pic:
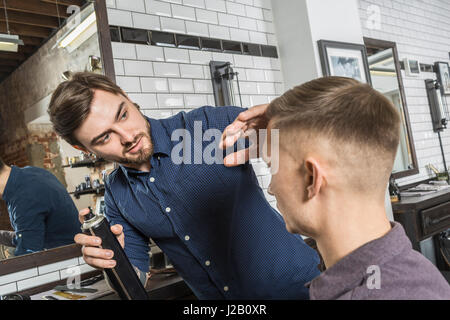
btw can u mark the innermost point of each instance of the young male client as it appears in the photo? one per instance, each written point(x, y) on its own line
point(338, 140)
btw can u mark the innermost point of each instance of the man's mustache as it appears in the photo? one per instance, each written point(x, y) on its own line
point(128, 146)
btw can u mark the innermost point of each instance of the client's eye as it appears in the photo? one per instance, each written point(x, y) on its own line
point(124, 115)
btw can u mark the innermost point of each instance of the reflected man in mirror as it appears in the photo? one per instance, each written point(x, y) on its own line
point(41, 211)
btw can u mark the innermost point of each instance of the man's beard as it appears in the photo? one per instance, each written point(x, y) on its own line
point(144, 154)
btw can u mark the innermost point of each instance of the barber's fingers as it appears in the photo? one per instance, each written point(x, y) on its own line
point(254, 112)
point(95, 252)
point(229, 139)
point(237, 158)
point(99, 263)
point(118, 231)
point(86, 240)
point(92, 254)
point(235, 127)
point(82, 213)
point(245, 120)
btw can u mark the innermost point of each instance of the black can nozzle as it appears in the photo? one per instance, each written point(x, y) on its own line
point(90, 215)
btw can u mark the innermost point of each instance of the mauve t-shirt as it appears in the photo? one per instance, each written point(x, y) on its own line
point(387, 268)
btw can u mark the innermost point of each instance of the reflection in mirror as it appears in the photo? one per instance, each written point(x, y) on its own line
point(38, 181)
point(386, 78)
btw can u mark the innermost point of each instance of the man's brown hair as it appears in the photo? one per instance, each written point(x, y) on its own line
point(347, 113)
point(2, 164)
point(71, 102)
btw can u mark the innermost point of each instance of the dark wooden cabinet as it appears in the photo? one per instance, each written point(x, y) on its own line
point(435, 219)
point(424, 217)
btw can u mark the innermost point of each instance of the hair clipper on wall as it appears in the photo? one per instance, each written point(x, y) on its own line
point(71, 101)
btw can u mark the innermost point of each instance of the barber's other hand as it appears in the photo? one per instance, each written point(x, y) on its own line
point(92, 254)
point(254, 118)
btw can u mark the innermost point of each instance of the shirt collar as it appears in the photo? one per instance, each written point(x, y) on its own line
point(161, 142)
point(350, 271)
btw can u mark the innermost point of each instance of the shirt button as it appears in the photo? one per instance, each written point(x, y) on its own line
point(225, 288)
point(207, 263)
point(20, 235)
point(159, 158)
point(187, 238)
point(152, 179)
point(167, 209)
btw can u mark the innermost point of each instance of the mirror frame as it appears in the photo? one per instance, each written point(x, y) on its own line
point(383, 44)
point(104, 39)
point(20, 263)
point(41, 258)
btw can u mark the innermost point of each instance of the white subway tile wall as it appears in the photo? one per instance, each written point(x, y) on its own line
point(8, 288)
point(160, 8)
point(145, 21)
point(37, 281)
point(37, 276)
point(120, 18)
point(197, 29)
point(57, 266)
point(13, 277)
point(181, 85)
point(134, 5)
point(179, 79)
point(173, 25)
point(151, 53)
point(421, 31)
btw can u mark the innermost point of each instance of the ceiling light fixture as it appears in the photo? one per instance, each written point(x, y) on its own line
point(81, 28)
point(9, 42)
point(73, 38)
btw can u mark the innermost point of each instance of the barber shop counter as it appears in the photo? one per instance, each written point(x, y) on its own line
point(160, 287)
point(48, 275)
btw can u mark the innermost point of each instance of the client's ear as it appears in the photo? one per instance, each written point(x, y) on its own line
point(315, 177)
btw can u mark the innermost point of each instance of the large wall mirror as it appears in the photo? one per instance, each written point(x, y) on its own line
point(73, 36)
point(386, 77)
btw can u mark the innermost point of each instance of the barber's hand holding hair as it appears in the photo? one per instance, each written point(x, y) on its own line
point(245, 124)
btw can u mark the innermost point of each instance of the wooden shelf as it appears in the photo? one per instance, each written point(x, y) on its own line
point(85, 163)
point(98, 190)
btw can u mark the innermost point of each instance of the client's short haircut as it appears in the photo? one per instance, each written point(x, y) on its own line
point(2, 164)
point(349, 114)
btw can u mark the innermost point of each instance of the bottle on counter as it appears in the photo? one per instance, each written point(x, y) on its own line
point(394, 191)
point(88, 182)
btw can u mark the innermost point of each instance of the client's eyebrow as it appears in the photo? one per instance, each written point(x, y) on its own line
point(119, 111)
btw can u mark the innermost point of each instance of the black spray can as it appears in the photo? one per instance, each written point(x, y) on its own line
point(123, 277)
